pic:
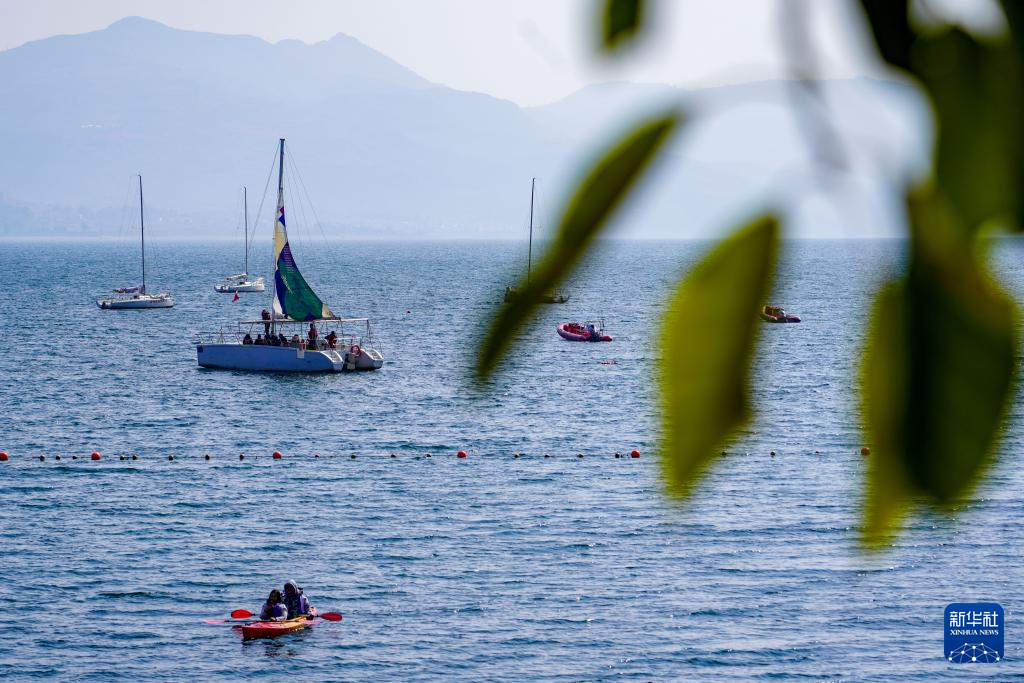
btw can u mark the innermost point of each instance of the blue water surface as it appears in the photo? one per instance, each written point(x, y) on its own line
point(489, 568)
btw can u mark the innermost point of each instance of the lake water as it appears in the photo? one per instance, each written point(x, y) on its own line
point(490, 568)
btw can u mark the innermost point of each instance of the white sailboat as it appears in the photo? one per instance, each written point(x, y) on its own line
point(299, 333)
point(511, 293)
point(242, 282)
point(137, 298)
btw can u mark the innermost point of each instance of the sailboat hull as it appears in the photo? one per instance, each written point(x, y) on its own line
point(258, 358)
point(136, 303)
point(227, 288)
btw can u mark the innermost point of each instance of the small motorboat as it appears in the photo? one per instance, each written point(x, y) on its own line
point(590, 331)
point(775, 314)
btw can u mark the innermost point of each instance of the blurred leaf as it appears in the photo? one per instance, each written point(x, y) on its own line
point(890, 24)
point(600, 193)
point(938, 372)
point(621, 21)
point(706, 344)
point(978, 92)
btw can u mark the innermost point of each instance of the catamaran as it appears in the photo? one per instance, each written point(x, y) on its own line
point(131, 298)
point(241, 282)
point(511, 293)
point(299, 333)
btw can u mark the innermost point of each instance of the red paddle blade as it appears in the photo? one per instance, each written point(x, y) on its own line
point(241, 614)
point(331, 616)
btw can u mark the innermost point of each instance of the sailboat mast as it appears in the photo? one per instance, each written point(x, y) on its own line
point(142, 225)
point(245, 211)
point(529, 253)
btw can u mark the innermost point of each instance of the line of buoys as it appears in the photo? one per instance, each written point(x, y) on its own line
point(276, 455)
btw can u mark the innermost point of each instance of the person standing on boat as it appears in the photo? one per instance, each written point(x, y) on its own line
point(274, 609)
point(312, 335)
point(295, 601)
point(332, 338)
point(265, 314)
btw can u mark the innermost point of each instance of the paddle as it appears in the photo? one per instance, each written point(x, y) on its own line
point(246, 614)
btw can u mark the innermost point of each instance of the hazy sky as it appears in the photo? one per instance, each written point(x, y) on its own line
point(528, 51)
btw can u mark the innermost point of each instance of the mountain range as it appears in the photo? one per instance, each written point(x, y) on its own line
point(382, 152)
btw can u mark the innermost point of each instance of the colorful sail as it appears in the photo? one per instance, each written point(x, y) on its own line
point(293, 297)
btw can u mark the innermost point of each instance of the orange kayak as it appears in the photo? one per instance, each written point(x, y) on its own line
point(272, 629)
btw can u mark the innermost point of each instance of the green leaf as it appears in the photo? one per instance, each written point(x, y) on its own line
point(621, 21)
point(597, 197)
point(706, 345)
point(978, 92)
point(938, 373)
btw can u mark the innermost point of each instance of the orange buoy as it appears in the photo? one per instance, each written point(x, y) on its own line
point(3, 456)
point(277, 455)
point(460, 454)
point(634, 453)
point(95, 456)
point(865, 451)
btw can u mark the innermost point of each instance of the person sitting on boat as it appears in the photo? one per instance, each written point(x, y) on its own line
point(281, 339)
point(265, 314)
point(295, 601)
point(247, 339)
point(259, 340)
point(274, 609)
point(312, 335)
point(332, 338)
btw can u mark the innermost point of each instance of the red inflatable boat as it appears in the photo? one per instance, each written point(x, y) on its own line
point(591, 331)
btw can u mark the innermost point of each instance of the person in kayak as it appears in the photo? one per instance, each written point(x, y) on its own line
point(274, 609)
point(295, 601)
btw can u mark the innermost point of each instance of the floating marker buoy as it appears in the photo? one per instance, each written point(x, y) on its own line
point(579, 455)
point(3, 456)
point(865, 451)
point(276, 455)
point(316, 455)
point(95, 456)
point(135, 457)
point(353, 456)
point(120, 457)
point(393, 455)
point(42, 458)
point(241, 456)
point(515, 455)
point(74, 457)
point(57, 457)
point(170, 457)
point(546, 455)
point(773, 454)
point(723, 452)
point(460, 454)
point(407, 312)
point(634, 453)
point(207, 456)
point(428, 455)
point(817, 452)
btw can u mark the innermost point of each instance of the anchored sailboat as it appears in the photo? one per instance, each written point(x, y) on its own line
point(299, 333)
point(548, 297)
point(133, 298)
point(241, 282)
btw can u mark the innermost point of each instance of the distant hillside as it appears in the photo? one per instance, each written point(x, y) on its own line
point(382, 151)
